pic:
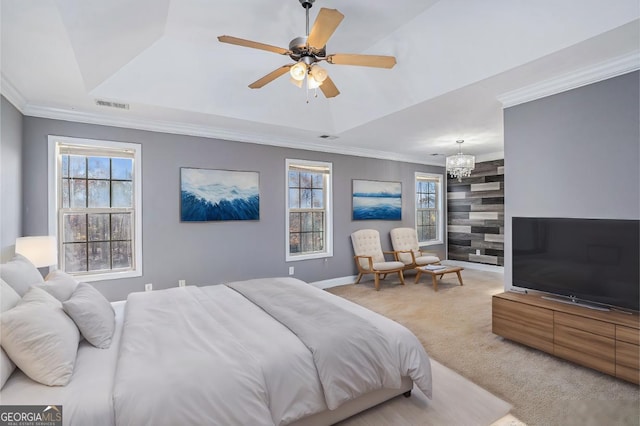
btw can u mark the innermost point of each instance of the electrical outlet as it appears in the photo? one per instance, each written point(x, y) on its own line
point(291, 269)
point(182, 283)
point(148, 287)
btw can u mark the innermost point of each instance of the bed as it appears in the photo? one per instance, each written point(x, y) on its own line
point(235, 354)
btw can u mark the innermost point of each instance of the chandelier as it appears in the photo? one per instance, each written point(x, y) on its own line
point(460, 165)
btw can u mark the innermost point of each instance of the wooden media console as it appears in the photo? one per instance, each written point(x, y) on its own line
point(605, 341)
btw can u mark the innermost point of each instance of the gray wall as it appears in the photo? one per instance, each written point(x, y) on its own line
point(10, 178)
point(574, 154)
point(215, 252)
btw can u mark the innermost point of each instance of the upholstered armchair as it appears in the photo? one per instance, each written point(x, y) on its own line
point(407, 250)
point(370, 258)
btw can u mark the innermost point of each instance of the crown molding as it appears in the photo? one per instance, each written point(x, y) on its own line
point(581, 77)
point(213, 132)
point(13, 95)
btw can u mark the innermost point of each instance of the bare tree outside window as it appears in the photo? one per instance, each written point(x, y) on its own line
point(308, 194)
point(428, 207)
point(97, 211)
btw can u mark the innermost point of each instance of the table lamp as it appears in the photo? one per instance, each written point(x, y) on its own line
point(42, 251)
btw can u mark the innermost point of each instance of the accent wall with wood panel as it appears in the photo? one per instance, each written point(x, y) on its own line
point(475, 207)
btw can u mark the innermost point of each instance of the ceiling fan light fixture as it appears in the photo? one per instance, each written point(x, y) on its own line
point(312, 83)
point(298, 71)
point(309, 49)
point(318, 73)
point(297, 83)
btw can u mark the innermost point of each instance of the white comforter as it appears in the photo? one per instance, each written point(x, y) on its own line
point(179, 365)
point(352, 357)
point(207, 355)
point(185, 384)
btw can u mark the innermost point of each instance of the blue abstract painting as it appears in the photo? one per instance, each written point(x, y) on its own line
point(215, 195)
point(375, 200)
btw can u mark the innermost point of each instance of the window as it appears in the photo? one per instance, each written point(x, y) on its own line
point(309, 213)
point(429, 208)
point(95, 207)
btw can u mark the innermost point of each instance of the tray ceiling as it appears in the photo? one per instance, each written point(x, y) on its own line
point(456, 61)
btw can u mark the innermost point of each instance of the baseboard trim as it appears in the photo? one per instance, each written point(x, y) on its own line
point(334, 282)
point(477, 266)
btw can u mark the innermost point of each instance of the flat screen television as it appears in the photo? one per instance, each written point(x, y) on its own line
point(584, 260)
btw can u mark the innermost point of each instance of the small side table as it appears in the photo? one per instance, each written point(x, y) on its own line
point(435, 274)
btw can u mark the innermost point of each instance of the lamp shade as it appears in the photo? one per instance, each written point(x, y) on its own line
point(41, 251)
point(296, 82)
point(312, 83)
point(460, 165)
point(318, 73)
point(298, 71)
point(461, 161)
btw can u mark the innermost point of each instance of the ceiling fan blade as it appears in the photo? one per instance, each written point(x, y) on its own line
point(253, 44)
point(375, 61)
point(326, 23)
point(329, 89)
point(270, 77)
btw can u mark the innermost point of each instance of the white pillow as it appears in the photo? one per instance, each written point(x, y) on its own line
point(20, 274)
point(59, 284)
point(8, 296)
point(93, 314)
point(40, 338)
point(8, 299)
point(6, 367)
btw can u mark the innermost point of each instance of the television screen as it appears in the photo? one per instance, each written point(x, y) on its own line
point(593, 260)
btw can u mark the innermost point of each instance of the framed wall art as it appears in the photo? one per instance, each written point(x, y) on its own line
point(218, 195)
point(376, 200)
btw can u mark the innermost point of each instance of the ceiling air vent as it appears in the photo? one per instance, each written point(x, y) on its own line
point(328, 137)
point(119, 105)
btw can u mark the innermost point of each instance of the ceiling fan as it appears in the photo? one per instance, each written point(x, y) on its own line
point(306, 51)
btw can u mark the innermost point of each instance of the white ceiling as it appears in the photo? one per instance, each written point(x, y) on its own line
point(456, 60)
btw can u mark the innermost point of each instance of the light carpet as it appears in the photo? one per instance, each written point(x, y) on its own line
point(454, 325)
point(456, 401)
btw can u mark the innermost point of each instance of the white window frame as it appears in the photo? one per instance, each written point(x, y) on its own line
point(328, 234)
point(54, 161)
point(439, 207)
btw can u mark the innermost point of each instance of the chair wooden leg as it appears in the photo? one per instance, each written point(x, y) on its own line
point(384, 276)
point(401, 275)
point(359, 278)
point(377, 281)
